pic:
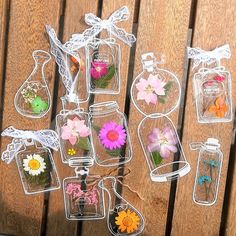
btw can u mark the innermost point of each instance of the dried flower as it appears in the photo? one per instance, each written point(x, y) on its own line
point(220, 108)
point(71, 151)
point(98, 69)
point(34, 164)
point(38, 105)
point(112, 135)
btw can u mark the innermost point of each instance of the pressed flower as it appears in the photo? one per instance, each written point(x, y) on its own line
point(112, 135)
point(34, 164)
point(149, 89)
point(212, 163)
point(219, 78)
point(203, 179)
point(220, 108)
point(98, 69)
point(74, 129)
point(38, 105)
point(71, 151)
point(29, 94)
point(128, 221)
point(163, 141)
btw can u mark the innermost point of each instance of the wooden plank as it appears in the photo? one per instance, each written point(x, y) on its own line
point(22, 214)
point(57, 223)
point(162, 28)
point(190, 218)
point(99, 227)
point(3, 22)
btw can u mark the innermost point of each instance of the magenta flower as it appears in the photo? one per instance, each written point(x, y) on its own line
point(74, 129)
point(219, 78)
point(162, 141)
point(150, 88)
point(98, 69)
point(112, 135)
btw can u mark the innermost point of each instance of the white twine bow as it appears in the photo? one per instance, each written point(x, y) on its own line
point(79, 40)
point(47, 138)
point(200, 56)
point(217, 70)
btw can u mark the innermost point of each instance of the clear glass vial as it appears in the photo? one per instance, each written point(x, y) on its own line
point(162, 148)
point(110, 135)
point(208, 171)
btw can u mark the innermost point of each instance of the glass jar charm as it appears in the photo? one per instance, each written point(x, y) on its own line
point(33, 98)
point(209, 166)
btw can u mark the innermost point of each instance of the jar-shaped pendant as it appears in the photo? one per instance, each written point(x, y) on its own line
point(37, 169)
point(110, 136)
point(33, 98)
point(74, 135)
point(122, 217)
point(212, 88)
point(208, 171)
point(103, 63)
point(162, 148)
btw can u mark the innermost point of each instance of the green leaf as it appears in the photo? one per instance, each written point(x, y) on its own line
point(156, 157)
point(83, 143)
point(114, 153)
point(161, 100)
point(96, 128)
point(104, 81)
point(168, 86)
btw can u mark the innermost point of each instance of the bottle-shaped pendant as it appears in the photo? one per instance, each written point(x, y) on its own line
point(74, 135)
point(103, 63)
point(208, 171)
point(110, 136)
point(37, 169)
point(84, 200)
point(122, 217)
point(162, 148)
point(33, 98)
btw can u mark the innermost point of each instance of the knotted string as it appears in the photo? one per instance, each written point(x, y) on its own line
point(117, 177)
point(48, 138)
point(208, 57)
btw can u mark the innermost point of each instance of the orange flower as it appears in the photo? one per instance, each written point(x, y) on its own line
point(219, 108)
point(78, 63)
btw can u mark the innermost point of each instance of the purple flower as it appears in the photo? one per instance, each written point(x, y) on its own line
point(164, 141)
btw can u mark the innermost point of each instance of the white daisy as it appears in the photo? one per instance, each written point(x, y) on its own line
point(34, 164)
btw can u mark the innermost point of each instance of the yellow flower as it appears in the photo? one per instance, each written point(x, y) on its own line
point(71, 151)
point(127, 221)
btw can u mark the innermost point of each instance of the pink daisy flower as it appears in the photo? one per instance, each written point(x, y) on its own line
point(74, 129)
point(112, 135)
point(162, 141)
point(98, 69)
point(150, 88)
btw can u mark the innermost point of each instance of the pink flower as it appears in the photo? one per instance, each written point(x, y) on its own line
point(74, 129)
point(219, 78)
point(98, 69)
point(112, 135)
point(162, 141)
point(150, 88)
point(74, 189)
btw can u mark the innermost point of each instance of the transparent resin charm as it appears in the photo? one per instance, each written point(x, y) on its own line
point(122, 217)
point(208, 172)
point(103, 63)
point(162, 148)
point(74, 135)
point(84, 200)
point(155, 90)
point(110, 136)
point(213, 97)
point(33, 98)
point(71, 60)
point(37, 169)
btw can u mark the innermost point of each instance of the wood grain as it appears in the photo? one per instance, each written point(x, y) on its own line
point(162, 28)
point(57, 224)
point(100, 227)
point(190, 218)
point(21, 214)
